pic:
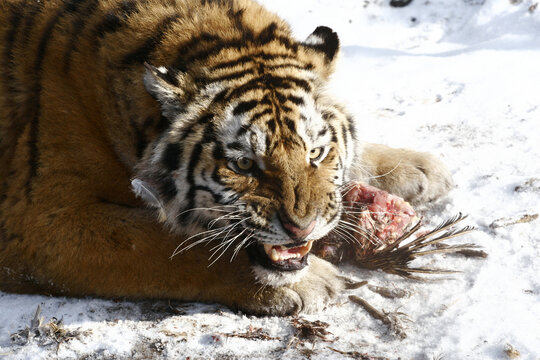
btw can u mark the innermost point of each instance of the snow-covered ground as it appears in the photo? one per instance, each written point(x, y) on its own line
point(458, 78)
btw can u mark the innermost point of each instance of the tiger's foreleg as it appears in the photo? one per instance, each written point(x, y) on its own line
point(417, 177)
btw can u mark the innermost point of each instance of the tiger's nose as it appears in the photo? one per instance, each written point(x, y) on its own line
point(296, 232)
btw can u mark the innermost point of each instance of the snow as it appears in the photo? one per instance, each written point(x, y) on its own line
point(458, 78)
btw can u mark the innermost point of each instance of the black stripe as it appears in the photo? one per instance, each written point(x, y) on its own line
point(352, 126)
point(32, 10)
point(236, 17)
point(220, 96)
point(286, 109)
point(290, 124)
point(297, 192)
point(268, 81)
point(345, 138)
point(344, 131)
point(340, 163)
point(167, 187)
point(226, 77)
point(140, 138)
point(193, 161)
point(78, 26)
point(242, 130)
point(181, 63)
point(235, 145)
point(218, 152)
point(277, 116)
point(233, 63)
point(142, 53)
point(70, 7)
point(214, 50)
point(263, 55)
point(115, 19)
point(162, 124)
point(14, 21)
point(268, 141)
point(171, 156)
point(110, 23)
point(185, 133)
point(322, 132)
point(303, 84)
point(9, 83)
point(267, 34)
point(46, 37)
point(205, 119)
point(8, 56)
point(257, 83)
point(266, 100)
point(327, 115)
point(224, 45)
point(307, 66)
point(3, 233)
point(260, 114)
point(244, 89)
point(244, 107)
point(217, 2)
point(216, 178)
point(334, 134)
point(208, 136)
point(281, 98)
point(295, 100)
point(272, 124)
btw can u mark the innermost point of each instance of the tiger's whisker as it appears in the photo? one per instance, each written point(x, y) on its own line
point(241, 245)
point(223, 252)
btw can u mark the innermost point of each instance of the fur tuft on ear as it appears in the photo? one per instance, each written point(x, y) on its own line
point(170, 87)
point(325, 41)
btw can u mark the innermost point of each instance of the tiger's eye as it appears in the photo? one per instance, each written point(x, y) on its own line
point(244, 163)
point(314, 154)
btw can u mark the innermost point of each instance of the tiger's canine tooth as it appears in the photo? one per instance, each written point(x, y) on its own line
point(274, 255)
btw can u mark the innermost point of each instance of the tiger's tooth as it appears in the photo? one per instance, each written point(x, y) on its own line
point(274, 255)
point(267, 248)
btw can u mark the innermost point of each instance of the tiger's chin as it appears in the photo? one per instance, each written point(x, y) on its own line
point(278, 265)
point(276, 278)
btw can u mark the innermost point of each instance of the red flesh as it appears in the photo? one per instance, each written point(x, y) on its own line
point(380, 217)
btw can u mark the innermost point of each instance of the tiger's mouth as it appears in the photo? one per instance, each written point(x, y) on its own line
point(287, 257)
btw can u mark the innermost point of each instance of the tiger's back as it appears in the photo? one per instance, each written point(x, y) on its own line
point(86, 52)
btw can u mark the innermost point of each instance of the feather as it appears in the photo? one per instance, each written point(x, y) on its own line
point(143, 190)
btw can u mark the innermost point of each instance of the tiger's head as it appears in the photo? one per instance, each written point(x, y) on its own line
point(256, 153)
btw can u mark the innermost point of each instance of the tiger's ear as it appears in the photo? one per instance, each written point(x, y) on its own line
point(324, 42)
point(173, 89)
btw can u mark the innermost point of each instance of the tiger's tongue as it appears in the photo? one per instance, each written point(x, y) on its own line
point(278, 253)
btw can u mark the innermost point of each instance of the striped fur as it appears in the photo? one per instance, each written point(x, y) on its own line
point(168, 95)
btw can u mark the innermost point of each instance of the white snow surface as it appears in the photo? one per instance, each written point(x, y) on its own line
point(457, 78)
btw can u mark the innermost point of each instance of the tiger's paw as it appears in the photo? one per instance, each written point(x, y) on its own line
point(307, 290)
point(417, 177)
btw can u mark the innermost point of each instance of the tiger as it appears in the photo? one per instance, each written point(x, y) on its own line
point(179, 149)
